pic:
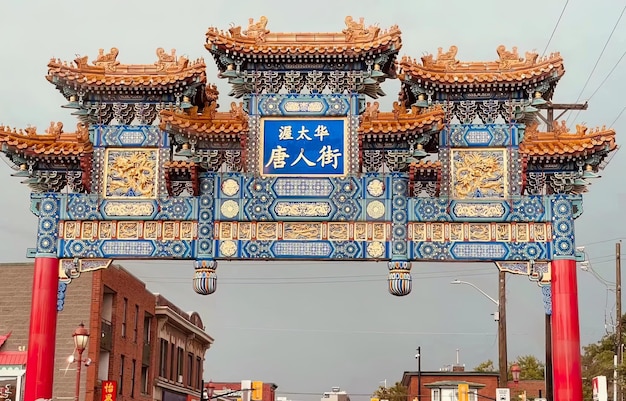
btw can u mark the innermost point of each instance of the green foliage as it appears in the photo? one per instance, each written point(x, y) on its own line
point(597, 360)
point(531, 368)
point(486, 366)
point(397, 392)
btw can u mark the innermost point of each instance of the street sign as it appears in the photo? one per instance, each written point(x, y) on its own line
point(503, 394)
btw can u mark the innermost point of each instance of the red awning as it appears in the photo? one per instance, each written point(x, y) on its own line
point(12, 357)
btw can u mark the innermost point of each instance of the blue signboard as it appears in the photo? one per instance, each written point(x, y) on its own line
point(304, 147)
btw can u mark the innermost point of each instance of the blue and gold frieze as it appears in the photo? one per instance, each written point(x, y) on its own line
point(475, 251)
point(524, 209)
point(480, 232)
point(120, 249)
point(299, 105)
point(129, 136)
point(479, 135)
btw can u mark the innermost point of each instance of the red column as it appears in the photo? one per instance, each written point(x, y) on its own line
point(566, 364)
point(43, 327)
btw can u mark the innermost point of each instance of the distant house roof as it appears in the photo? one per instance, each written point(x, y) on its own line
point(453, 383)
point(12, 358)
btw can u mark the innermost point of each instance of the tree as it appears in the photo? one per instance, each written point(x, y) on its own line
point(531, 368)
point(597, 360)
point(396, 393)
point(486, 366)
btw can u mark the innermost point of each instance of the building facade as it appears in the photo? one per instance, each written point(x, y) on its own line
point(232, 391)
point(124, 321)
point(443, 385)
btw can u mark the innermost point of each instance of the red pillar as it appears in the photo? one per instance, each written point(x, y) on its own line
point(43, 327)
point(566, 364)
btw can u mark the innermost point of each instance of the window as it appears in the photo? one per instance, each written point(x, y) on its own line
point(133, 368)
point(147, 331)
point(434, 395)
point(180, 359)
point(173, 362)
point(136, 323)
point(124, 307)
point(144, 379)
point(163, 358)
point(120, 382)
point(190, 370)
point(199, 373)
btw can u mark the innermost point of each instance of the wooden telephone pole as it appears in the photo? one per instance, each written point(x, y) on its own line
point(549, 120)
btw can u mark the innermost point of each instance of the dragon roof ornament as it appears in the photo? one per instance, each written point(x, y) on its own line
point(355, 38)
point(107, 70)
point(208, 122)
point(561, 142)
point(447, 69)
point(400, 119)
point(53, 142)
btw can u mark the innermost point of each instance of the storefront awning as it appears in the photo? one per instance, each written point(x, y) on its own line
point(12, 358)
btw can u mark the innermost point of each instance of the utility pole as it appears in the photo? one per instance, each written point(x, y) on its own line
point(502, 352)
point(419, 372)
point(618, 312)
point(549, 119)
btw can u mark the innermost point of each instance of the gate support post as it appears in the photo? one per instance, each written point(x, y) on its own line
point(42, 333)
point(567, 371)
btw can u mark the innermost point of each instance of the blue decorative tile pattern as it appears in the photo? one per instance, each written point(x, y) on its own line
point(399, 218)
point(546, 291)
point(562, 227)
point(49, 211)
point(178, 249)
point(296, 104)
point(206, 213)
point(61, 296)
point(180, 208)
point(129, 136)
point(479, 135)
point(82, 207)
point(429, 209)
point(297, 187)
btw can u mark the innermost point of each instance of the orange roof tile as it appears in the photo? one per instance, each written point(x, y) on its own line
point(107, 71)
point(355, 39)
point(210, 122)
point(560, 142)
point(426, 165)
point(179, 164)
point(510, 67)
point(399, 120)
point(54, 142)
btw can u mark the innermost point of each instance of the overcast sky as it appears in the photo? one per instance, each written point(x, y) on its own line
point(310, 326)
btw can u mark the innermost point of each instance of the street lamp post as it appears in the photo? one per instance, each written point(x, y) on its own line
point(81, 337)
point(418, 356)
point(500, 317)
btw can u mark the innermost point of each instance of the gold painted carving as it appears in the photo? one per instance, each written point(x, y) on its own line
point(437, 233)
point(245, 230)
point(72, 229)
point(150, 230)
point(228, 248)
point(503, 232)
point(302, 209)
point(267, 231)
point(478, 210)
point(128, 208)
point(338, 231)
point(479, 232)
point(88, 230)
point(478, 174)
point(375, 188)
point(360, 231)
point(419, 232)
point(311, 231)
point(131, 173)
point(311, 107)
point(375, 209)
point(226, 230)
point(230, 187)
point(523, 232)
point(186, 230)
point(379, 231)
point(169, 230)
point(105, 230)
point(456, 232)
point(230, 208)
point(540, 232)
point(375, 249)
point(128, 230)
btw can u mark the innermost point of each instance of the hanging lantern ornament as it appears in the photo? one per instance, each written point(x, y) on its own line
point(204, 277)
point(399, 278)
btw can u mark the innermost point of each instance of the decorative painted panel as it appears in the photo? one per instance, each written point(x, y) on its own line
point(480, 135)
point(298, 105)
point(129, 136)
point(131, 173)
point(478, 174)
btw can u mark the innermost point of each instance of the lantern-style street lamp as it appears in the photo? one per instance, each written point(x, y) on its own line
point(81, 338)
point(515, 371)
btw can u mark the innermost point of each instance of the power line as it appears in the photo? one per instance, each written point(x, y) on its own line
point(555, 27)
point(600, 56)
point(617, 118)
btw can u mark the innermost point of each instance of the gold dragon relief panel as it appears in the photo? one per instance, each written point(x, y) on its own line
point(479, 173)
point(480, 232)
point(131, 173)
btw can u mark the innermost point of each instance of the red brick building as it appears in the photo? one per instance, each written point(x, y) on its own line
point(128, 326)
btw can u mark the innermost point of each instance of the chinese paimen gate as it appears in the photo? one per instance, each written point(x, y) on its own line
point(305, 167)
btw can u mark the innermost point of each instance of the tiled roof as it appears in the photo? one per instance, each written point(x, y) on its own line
point(54, 142)
point(13, 358)
point(256, 40)
point(210, 122)
point(509, 68)
point(399, 120)
point(560, 142)
point(106, 71)
point(426, 165)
